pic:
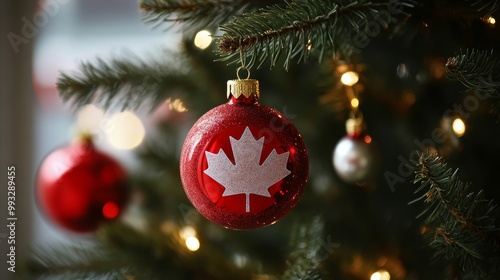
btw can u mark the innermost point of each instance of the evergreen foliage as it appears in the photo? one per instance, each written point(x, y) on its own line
point(478, 71)
point(302, 28)
point(485, 7)
point(129, 81)
point(305, 261)
point(462, 220)
point(195, 14)
point(80, 261)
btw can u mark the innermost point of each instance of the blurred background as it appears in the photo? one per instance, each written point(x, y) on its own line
point(40, 39)
point(405, 97)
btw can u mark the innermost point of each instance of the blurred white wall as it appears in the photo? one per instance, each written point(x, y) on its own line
point(16, 131)
point(44, 39)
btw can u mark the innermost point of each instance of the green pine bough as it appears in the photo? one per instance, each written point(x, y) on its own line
point(287, 30)
point(197, 14)
point(478, 71)
point(302, 28)
point(460, 219)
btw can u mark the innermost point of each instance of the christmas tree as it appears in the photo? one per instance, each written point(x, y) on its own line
point(417, 83)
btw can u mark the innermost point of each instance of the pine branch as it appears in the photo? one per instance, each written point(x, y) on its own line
point(128, 82)
point(154, 253)
point(121, 251)
point(463, 219)
point(305, 260)
point(486, 7)
point(79, 262)
point(159, 252)
point(302, 28)
point(196, 14)
point(161, 152)
point(478, 71)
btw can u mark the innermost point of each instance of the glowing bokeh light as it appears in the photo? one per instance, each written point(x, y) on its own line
point(110, 210)
point(458, 127)
point(354, 103)
point(491, 20)
point(176, 105)
point(125, 131)
point(349, 78)
point(381, 275)
point(89, 118)
point(309, 45)
point(192, 243)
point(203, 39)
point(187, 232)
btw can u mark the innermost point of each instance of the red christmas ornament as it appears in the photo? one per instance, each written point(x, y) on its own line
point(244, 165)
point(79, 187)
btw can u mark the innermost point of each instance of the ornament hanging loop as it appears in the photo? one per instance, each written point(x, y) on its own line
point(243, 87)
point(242, 68)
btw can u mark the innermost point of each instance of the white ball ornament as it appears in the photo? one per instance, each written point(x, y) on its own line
point(354, 158)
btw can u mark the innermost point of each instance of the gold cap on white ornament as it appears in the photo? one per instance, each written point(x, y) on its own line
point(245, 87)
point(354, 126)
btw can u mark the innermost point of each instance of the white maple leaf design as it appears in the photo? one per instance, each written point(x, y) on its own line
point(246, 175)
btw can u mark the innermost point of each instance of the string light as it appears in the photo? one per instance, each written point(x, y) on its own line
point(349, 78)
point(176, 105)
point(187, 232)
point(309, 45)
point(189, 235)
point(203, 39)
point(192, 243)
point(490, 20)
point(89, 117)
point(125, 130)
point(458, 127)
point(381, 275)
point(354, 102)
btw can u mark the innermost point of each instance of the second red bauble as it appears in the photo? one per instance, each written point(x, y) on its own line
point(79, 187)
point(244, 165)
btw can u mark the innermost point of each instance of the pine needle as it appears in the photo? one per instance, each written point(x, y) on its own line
point(478, 71)
point(302, 28)
point(463, 219)
point(305, 260)
point(79, 262)
point(194, 14)
point(486, 7)
point(128, 82)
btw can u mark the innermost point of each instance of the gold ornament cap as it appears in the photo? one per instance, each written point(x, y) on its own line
point(84, 137)
point(245, 87)
point(354, 126)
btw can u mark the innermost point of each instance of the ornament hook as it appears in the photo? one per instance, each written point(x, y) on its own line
point(356, 114)
point(243, 66)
